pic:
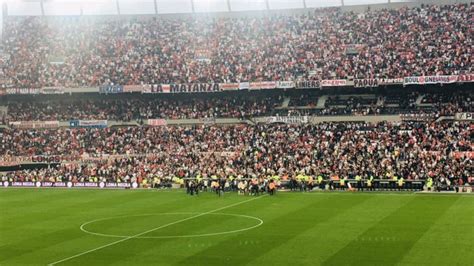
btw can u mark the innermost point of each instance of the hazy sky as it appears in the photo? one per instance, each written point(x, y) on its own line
point(97, 7)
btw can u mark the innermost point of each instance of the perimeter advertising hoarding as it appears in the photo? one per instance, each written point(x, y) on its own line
point(101, 185)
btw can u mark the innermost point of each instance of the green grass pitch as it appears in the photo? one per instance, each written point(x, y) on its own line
point(125, 227)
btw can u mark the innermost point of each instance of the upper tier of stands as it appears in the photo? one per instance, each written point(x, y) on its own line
point(321, 44)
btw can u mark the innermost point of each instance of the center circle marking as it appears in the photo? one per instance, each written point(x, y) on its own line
point(260, 222)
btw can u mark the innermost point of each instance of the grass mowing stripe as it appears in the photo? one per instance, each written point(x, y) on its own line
point(62, 235)
point(299, 216)
point(452, 234)
point(395, 234)
point(448, 241)
point(61, 206)
point(349, 224)
point(36, 231)
point(151, 230)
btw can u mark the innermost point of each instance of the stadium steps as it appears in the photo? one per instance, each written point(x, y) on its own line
point(286, 102)
point(419, 99)
point(3, 110)
point(380, 101)
point(420, 104)
point(321, 102)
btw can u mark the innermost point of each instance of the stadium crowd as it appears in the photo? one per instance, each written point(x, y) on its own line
point(130, 107)
point(321, 44)
point(415, 150)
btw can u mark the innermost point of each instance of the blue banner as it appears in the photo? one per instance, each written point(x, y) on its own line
point(111, 89)
point(88, 123)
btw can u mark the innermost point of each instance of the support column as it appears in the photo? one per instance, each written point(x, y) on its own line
point(118, 6)
point(42, 8)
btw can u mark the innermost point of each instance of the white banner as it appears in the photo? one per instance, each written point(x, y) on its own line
point(229, 86)
point(34, 124)
point(366, 83)
point(156, 122)
point(52, 90)
point(288, 119)
point(244, 85)
point(333, 83)
point(390, 81)
point(263, 85)
point(464, 116)
point(285, 84)
point(308, 84)
point(429, 80)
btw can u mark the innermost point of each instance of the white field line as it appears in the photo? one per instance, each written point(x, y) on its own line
point(260, 222)
point(151, 230)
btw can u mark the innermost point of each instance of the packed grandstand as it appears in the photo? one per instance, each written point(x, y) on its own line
point(323, 44)
point(331, 94)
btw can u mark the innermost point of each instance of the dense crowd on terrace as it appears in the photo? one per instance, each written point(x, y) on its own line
point(239, 105)
point(128, 108)
point(319, 44)
point(410, 150)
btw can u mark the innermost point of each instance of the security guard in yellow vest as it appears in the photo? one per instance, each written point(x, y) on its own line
point(342, 183)
point(320, 182)
point(370, 183)
point(429, 183)
point(394, 181)
point(360, 185)
point(401, 182)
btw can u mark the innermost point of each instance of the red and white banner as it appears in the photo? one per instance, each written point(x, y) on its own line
point(157, 122)
point(134, 88)
point(34, 124)
point(429, 80)
point(333, 83)
point(391, 81)
point(463, 154)
point(262, 85)
point(466, 78)
point(229, 86)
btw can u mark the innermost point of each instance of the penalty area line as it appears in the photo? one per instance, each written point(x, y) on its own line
point(151, 230)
